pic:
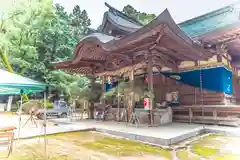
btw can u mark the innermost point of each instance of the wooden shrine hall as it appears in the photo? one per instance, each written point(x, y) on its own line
point(125, 47)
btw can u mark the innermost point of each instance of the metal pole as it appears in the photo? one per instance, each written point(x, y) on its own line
point(20, 115)
point(45, 124)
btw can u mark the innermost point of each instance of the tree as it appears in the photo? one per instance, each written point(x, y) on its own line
point(3, 45)
point(57, 43)
point(142, 17)
point(22, 31)
point(79, 23)
point(34, 33)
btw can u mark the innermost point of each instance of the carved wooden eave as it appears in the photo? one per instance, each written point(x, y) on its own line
point(224, 38)
point(84, 67)
point(162, 39)
point(230, 38)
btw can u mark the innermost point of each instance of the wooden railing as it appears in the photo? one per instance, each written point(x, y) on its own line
point(217, 114)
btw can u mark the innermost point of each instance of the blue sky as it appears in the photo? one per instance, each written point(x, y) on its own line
point(180, 10)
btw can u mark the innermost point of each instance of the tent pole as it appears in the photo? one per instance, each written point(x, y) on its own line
point(20, 114)
point(45, 124)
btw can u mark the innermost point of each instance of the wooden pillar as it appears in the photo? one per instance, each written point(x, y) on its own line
point(219, 58)
point(150, 87)
point(220, 50)
point(102, 101)
point(118, 100)
point(91, 107)
point(228, 60)
point(176, 70)
point(132, 99)
point(196, 63)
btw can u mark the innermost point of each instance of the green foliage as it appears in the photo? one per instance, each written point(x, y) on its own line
point(117, 90)
point(49, 105)
point(79, 20)
point(142, 17)
point(35, 33)
point(93, 93)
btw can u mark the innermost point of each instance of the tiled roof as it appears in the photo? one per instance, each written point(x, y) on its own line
point(194, 27)
point(209, 22)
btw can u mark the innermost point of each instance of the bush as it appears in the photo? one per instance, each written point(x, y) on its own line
point(31, 104)
point(35, 105)
point(49, 104)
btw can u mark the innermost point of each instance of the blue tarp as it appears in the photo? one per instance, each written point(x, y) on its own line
point(216, 79)
point(110, 85)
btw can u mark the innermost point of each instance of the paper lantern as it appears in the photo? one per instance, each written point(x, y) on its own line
point(146, 103)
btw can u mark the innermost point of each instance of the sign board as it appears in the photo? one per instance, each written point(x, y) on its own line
point(147, 104)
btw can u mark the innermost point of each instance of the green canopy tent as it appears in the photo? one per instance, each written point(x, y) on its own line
point(14, 84)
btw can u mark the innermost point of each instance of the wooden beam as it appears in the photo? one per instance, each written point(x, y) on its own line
point(123, 56)
point(163, 60)
point(137, 48)
point(176, 55)
point(227, 38)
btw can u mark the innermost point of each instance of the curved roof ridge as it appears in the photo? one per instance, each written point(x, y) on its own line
point(165, 17)
point(214, 13)
point(123, 15)
point(124, 24)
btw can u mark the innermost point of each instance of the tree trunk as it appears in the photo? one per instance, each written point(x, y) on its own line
point(5, 61)
point(91, 110)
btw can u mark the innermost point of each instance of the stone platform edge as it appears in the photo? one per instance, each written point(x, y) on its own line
point(163, 141)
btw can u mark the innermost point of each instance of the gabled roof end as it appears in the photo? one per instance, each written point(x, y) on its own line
point(121, 14)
